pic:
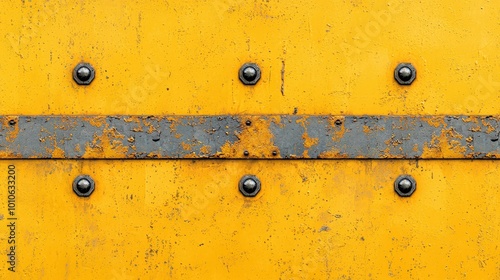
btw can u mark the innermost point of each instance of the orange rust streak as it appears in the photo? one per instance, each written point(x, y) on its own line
point(205, 149)
point(444, 146)
point(338, 134)
point(435, 121)
point(186, 147)
point(257, 139)
point(96, 121)
point(13, 130)
point(107, 145)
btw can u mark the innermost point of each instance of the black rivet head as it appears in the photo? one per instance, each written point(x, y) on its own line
point(249, 185)
point(275, 153)
point(249, 73)
point(405, 73)
point(83, 185)
point(246, 153)
point(83, 74)
point(405, 185)
point(12, 122)
point(248, 122)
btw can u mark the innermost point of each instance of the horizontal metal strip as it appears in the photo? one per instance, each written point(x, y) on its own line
point(266, 136)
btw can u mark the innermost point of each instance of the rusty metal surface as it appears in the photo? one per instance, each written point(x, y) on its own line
point(257, 136)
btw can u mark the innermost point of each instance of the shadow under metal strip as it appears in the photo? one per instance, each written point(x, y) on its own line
point(256, 136)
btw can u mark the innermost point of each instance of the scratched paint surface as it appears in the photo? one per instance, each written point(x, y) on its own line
point(182, 57)
point(229, 137)
point(313, 219)
point(184, 219)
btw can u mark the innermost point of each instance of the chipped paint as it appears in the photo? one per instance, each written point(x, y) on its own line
point(262, 136)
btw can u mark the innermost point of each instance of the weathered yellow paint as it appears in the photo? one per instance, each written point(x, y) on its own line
point(182, 57)
point(314, 219)
point(185, 219)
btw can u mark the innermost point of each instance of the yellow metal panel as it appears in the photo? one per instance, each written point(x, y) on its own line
point(182, 57)
point(182, 219)
point(311, 220)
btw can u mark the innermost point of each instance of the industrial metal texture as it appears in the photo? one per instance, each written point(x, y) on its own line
point(232, 139)
point(186, 219)
point(182, 57)
point(273, 137)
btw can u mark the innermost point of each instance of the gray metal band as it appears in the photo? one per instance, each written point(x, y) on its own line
point(267, 136)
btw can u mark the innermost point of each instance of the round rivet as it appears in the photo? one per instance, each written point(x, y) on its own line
point(275, 153)
point(246, 153)
point(405, 73)
point(83, 185)
point(249, 185)
point(338, 122)
point(83, 74)
point(405, 185)
point(12, 122)
point(248, 122)
point(249, 73)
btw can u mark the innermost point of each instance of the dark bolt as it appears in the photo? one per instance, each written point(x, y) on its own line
point(249, 73)
point(275, 153)
point(405, 185)
point(248, 122)
point(338, 122)
point(246, 153)
point(83, 74)
point(405, 73)
point(83, 185)
point(12, 122)
point(249, 185)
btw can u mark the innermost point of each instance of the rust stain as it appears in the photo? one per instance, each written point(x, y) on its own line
point(12, 130)
point(149, 125)
point(309, 141)
point(475, 129)
point(154, 155)
point(444, 146)
point(205, 149)
point(415, 148)
point(58, 153)
point(333, 153)
point(452, 133)
point(488, 125)
point(469, 119)
point(96, 121)
point(9, 154)
point(337, 123)
point(368, 129)
point(257, 139)
point(393, 142)
point(185, 146)
point(192, 155)
point(107, 145)
point(435, 121)
point(136, 120)
point(67, 123)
